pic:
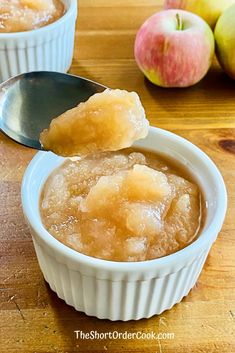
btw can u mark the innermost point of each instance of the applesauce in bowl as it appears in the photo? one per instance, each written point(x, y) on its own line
point(130, 205)
point(121, 290)
point(120, 234)
point(36, 36)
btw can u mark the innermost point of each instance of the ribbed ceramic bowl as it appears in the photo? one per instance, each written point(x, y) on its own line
point(125, 291)
point(49, 48)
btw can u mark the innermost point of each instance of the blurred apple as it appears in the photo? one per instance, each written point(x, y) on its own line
point(225, 41)
point(209, 10)
point(174, 48)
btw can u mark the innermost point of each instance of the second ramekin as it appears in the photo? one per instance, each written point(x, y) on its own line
point(125, 290)
point(49, 48)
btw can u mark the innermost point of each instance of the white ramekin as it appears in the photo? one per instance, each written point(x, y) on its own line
point(49, 48)
point(125, 291)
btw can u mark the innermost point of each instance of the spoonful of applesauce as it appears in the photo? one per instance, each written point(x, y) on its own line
point(30, 101)
point(69, 115)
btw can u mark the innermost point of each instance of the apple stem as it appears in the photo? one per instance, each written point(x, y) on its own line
point(179, 22)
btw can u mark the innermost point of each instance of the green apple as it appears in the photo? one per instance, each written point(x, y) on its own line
point(209, 10)
point(225, 41)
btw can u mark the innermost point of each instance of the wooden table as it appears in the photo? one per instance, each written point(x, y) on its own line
point(33, 319)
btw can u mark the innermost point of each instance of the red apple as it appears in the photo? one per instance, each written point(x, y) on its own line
point(174, 48)
point(209, 10)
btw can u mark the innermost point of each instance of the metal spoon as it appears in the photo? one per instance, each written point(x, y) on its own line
point(30, 101)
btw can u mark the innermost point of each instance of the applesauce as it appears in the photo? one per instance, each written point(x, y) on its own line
point(25, 15)
point(108, 121)
point(130, 205)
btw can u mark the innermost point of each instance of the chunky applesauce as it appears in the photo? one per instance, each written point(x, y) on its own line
point(130, 205)
point(25, 15)
point(107, 121)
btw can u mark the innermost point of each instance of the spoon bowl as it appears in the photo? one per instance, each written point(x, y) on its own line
point(28, 102)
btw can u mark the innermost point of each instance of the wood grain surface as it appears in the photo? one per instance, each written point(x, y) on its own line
point(33, 319)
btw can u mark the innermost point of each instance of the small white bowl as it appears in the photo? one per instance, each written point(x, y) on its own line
point(49, 48)
point(126, 290)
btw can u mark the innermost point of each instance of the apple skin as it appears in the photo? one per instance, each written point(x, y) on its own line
point(209, 10)
point(170, 57)
point(225, 43)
